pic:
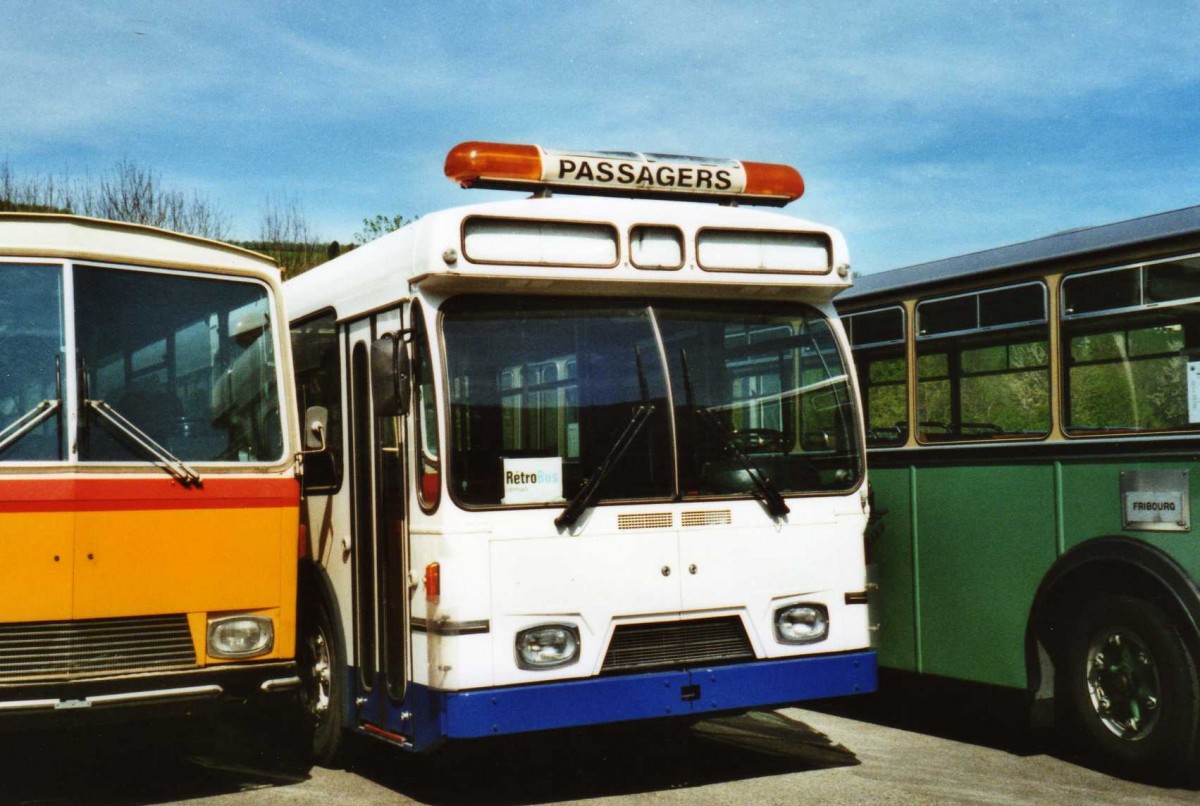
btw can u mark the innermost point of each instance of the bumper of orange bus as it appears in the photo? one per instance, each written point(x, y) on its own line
point(145, 696)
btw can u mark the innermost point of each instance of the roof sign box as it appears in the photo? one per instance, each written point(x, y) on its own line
point(531, 167)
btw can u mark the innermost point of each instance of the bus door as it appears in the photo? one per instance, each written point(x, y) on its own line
point(379, 528)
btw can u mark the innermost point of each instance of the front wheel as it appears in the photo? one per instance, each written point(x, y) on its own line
point(322, 692)
point(1132, 688)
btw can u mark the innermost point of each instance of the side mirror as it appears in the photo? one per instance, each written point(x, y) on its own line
point(316, 423)
point(391, 376)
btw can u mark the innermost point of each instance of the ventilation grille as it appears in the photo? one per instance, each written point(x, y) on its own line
point(63, 650)
point(645, 520)
point(708, 517)
point(637, 647)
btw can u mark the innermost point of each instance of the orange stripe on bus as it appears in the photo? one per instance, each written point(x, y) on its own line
point(103, 495)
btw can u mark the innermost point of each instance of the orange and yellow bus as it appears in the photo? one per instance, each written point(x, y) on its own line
point(148, 490)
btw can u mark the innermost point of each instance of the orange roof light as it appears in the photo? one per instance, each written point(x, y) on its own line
point(773, 180)
point(468, 162)
point(622, 173)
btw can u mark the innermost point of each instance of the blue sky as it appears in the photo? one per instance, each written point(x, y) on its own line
point(923, 130)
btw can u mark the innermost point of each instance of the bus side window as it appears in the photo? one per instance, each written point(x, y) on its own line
point(425, 409)
point(1131, 353)
point(318, 373)
point(983, 365)
point(884, 384)
point(878, 340)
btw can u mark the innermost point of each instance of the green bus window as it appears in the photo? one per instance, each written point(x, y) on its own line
point(992, 380)
point(1134, 379)
point(878, 341)
point(1132, 349)
point(885, 394)
point(933, 396)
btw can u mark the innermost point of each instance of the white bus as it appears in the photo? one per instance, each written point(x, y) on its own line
point(577, 460)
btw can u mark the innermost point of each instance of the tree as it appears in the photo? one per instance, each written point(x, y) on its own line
point(128, 192)
point(287, 237)
point(37, 195)
point(379, 226)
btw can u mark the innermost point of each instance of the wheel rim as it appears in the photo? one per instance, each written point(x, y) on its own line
point(1122, 681)
point(320, 677)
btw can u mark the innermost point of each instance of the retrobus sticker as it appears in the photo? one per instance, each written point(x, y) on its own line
point(532, 480)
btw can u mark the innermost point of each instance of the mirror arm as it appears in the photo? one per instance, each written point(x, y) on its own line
point(318, 431)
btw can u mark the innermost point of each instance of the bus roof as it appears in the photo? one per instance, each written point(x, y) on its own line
point(429, 253)
point(1059, 246)
point(64, 236)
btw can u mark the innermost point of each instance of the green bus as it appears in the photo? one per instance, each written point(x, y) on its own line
point(1033, 418)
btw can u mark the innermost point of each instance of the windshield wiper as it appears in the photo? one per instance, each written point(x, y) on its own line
point(170, 462)
point(27, 422)
point(764, 490)
point(590, 490)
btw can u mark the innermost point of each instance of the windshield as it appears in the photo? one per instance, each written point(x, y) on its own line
point(31, 346)
point(189, 361)
point(766, 383)
point(540, 389)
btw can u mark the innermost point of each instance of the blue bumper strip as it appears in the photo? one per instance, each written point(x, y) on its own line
point(764, 684)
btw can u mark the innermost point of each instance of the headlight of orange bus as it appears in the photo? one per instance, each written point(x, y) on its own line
point(240, 636)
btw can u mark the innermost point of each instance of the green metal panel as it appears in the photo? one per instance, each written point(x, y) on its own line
point(962, 549)
point(1092, 506)
point(986, 537)
point(891, 550)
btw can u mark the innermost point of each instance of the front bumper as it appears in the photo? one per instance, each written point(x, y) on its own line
point(142, 696)
point(695, 692)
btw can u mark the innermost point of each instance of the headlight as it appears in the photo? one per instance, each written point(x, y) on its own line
point(801, 624)
point(240, 636)
point(547, 646)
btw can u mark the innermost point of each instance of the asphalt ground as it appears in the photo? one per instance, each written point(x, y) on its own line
point(931, 746)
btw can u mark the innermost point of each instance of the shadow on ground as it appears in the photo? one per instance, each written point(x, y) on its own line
point(143, 763)
point(987, 716)
point(607, 761)
point(197, 759)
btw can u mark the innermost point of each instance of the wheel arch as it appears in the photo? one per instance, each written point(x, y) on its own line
point(316, 588)
point(1109, 564)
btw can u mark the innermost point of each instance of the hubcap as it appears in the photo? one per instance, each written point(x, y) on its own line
point(319, 676)
point(1122, 681)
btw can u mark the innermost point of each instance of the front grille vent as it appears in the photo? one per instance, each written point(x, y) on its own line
point(707, 517)
point(65, 650)
point(645, 520)
point(677, 644)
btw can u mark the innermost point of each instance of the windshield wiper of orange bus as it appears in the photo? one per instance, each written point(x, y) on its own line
point(27, 422)
point(170, 462)
point(591, 488)
point(763, 490)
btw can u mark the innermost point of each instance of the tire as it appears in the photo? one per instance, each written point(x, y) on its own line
point(1131, 689)
point(323, 687)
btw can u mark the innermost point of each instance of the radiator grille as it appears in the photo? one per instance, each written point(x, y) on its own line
point(636, 647)
point(64, 650)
